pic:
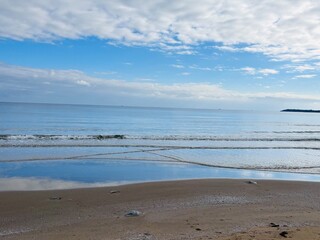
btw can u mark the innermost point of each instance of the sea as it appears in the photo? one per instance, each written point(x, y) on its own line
point(60, 146)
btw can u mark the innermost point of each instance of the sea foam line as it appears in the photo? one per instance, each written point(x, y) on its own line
point(38, 137)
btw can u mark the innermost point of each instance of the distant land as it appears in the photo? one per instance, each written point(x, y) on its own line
point(301, 110)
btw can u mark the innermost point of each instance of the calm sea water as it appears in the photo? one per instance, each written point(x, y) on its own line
point(76, 145)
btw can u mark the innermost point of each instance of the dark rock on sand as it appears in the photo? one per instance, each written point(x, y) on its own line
point(283, 234)
point(55, 198)
point(273, 225)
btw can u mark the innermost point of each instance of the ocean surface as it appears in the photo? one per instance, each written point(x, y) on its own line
point(50, 146)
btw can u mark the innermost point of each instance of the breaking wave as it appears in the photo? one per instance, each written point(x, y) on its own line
point(9, 137)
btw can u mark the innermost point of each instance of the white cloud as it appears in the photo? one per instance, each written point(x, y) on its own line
point(82, 82)
point(227, 48)
point(263, 71)
point(105, 73)
point(249, 70)
point(44, 75)
point(283, 30)
point(303, 68)
point(29, 78)
point(200, 68)
point(145, 80)
point(305, 76)
point(268, 71)
point(293, 68)
point(194, 66)
point(185, 73)
point(177, 66)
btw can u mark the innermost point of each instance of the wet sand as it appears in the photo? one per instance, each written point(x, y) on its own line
point(193, 209)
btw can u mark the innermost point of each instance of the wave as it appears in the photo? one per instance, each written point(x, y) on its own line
point(174, 147)
point(59, 137)
point(11, 137)
point(289, 132)
point(315, 169)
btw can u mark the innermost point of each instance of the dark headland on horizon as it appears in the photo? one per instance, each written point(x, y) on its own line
point(301, 110)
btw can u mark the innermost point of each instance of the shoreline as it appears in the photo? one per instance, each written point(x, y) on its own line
point(74, 185)
point(30, 183)
point(97, 185)
point(183, 209)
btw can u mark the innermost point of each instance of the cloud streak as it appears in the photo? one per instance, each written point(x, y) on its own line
point(282, 30)
point(263, 71)
point(24, 78)
point(305, 76)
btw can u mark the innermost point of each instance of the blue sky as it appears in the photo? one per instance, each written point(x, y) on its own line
point(204, 54)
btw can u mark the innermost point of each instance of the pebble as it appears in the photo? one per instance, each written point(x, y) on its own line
point(114, 191)
point(274, 225)
point(283, 234)
point(133, 213)
point(55, 198)
point(252, 182)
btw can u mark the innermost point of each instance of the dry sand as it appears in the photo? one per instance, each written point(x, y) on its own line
point(197, 209)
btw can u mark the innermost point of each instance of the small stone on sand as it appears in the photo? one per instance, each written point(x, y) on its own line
point(252, 182)
point(283, 234)
point(55, 198)
point(114, 191)
point(133, 213)
point(273, 225)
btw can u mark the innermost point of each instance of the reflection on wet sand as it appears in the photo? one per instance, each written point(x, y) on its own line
point(46, 175)
point(32, 184)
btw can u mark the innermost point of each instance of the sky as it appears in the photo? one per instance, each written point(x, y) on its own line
point(226, 54)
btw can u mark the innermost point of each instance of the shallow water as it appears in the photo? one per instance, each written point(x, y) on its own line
point(44, 175)
point(173, 143)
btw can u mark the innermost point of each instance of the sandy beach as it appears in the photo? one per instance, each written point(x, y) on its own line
point(193, 209)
